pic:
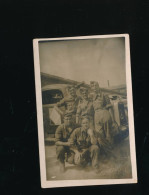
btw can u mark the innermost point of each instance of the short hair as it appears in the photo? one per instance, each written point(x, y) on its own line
point(85, 117)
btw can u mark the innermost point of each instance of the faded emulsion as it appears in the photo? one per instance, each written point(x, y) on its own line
point(87, 128)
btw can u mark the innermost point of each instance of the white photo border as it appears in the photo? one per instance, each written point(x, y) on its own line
point(88, 182)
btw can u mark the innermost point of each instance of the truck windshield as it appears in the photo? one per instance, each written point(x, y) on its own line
point(51, 96)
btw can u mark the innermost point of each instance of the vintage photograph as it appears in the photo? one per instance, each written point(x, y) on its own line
point(85, 110)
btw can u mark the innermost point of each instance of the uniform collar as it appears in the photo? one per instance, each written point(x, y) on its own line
point(83, 131)
point(71, 127)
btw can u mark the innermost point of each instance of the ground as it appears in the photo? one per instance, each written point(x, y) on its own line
point(111, 168)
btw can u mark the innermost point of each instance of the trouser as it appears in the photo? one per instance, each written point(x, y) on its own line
point(90, 154)
point(103, 124)
point(91, 123)
point(61, 151)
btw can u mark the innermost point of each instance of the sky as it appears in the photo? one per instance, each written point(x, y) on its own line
point(99, 60)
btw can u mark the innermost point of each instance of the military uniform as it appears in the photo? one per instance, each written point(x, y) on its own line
point(67, 101)
point(102, 117)
point(63, 134)
point(85, 109)
point(85, 147)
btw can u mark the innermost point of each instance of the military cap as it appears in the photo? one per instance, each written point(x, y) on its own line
point(93, 83)
point(85, 117)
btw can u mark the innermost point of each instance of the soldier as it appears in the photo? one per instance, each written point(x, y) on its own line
point(85, 107)
point(84, 144)
point(103, 119)
point(62, 135)
point(70, 102)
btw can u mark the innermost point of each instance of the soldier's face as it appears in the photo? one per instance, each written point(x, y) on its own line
point(72, 91)
point(84, 94)
point(69, 106)
point(95, 87)
point(85, 124)
point(68, 121)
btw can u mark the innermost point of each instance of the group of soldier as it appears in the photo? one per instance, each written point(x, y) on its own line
point(87, 127)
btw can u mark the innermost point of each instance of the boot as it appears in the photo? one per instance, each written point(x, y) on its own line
point(62, 167)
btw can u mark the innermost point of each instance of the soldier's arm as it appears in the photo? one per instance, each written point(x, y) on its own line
point(112, 113)
point(59, 143)
point(107, 102)
point(109, 107)
point(93, 139)
point(78, 113)
point(72, 139)
point(61, 103)
point(59, 110)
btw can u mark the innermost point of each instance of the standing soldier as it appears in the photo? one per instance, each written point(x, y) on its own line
point(85, 108)
point(70, 102)
point(103, 118)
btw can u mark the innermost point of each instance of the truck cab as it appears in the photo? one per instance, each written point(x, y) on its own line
point(51, 94)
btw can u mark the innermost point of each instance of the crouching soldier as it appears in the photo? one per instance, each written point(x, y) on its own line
point(62, 135)
point(84, 145)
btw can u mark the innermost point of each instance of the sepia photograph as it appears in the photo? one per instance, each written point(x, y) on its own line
point(85, 110)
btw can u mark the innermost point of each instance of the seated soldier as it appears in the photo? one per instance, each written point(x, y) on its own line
point(84, 145)
point(62, 135)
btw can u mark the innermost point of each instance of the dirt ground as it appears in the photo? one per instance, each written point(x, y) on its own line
point(111, 168)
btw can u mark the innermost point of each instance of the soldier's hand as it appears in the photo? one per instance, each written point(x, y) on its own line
point(67, 144)
point(90, 132)
point(70, 143)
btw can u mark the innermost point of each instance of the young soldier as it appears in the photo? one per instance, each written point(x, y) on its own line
point(62, 135)
point(85, 108)
point(103, 117)
point(84, 145)
point(70, 102)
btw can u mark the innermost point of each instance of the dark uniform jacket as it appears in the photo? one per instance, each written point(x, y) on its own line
point(82, 139)
point(63, 133)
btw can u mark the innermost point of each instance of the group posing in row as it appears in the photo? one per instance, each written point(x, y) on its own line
point(87, 127)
